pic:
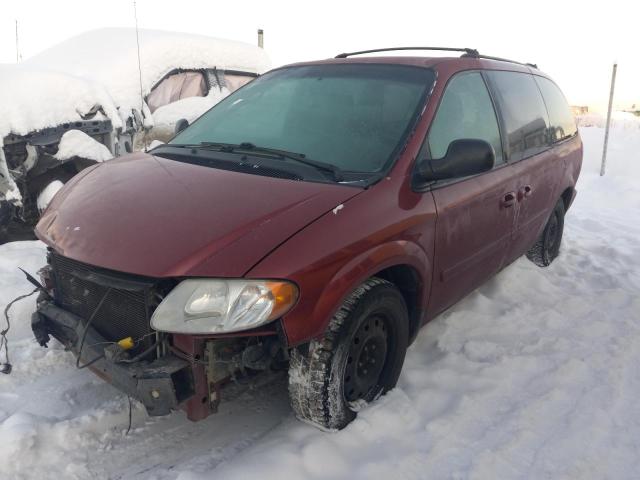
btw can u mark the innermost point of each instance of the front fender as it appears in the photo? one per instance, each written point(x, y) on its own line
point(375, 230)
point(359, 269)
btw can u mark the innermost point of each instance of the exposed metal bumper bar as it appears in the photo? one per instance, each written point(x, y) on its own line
point(161, 385)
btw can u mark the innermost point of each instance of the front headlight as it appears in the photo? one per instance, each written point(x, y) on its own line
point(202, 306)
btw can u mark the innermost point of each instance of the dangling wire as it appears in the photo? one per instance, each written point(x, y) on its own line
point(129, 427)
point(5, 367)
point(86, 330)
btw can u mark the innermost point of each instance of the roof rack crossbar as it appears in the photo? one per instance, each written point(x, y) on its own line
point(471, 52)
point(467, 52)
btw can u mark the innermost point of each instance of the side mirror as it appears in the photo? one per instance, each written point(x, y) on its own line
point(464, 157)
point(181, 125)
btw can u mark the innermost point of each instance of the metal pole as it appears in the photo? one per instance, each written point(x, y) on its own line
point(606, 128)
point(260, 38)
point(17, 49)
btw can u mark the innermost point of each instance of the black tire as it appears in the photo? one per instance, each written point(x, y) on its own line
point(547, 247)
point(329, 378)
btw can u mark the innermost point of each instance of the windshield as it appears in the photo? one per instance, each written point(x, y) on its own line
point(352, 116)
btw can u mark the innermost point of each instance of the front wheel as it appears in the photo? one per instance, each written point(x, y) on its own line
point(358, 358)
point(547, 247)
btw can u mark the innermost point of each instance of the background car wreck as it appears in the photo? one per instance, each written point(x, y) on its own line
point(89, 99)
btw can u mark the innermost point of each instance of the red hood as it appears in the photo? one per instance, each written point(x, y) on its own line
point(160, 218)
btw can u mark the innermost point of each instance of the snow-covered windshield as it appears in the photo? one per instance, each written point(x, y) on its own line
point(353, 116)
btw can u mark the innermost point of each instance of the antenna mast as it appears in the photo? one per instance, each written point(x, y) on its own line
point(17, 44)
point(135, 15)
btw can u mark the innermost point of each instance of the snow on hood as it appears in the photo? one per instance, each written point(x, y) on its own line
point(109, 56)
point(32, 99)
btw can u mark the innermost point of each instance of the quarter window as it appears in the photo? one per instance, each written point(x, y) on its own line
point(466, 112)
point(562, 122)
point(523, 112)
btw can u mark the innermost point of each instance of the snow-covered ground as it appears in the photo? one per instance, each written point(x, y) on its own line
point(535, 375)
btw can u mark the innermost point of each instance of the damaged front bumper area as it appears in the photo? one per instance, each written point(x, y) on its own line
point(161, 385)
point(103, 317)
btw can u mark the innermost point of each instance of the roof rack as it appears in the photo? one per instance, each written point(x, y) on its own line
point(500, 59)
point(467, 52)
point(471, 52)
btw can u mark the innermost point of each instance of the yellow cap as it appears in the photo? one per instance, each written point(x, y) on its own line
point(126, 343)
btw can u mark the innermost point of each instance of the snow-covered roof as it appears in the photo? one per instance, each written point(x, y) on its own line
point(100, 67)
point(33, 99)
point(110, 56)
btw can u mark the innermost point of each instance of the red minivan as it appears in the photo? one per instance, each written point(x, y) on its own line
point(313, 220)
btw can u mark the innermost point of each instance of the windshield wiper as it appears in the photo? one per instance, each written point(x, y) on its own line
point(335, 172)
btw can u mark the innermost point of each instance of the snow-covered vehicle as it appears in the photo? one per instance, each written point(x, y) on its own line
point(91, 98)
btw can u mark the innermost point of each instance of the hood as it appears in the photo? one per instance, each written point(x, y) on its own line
point(161, 218)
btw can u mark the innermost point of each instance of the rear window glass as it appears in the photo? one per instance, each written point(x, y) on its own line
point(563, 125)
point(523, 111)
point(176, 87)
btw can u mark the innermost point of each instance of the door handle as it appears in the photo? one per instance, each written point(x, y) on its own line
point(524, 192)
point(508, 200)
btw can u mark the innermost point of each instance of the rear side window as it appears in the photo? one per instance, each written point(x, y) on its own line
point(523, 112)
point(466, 111)
point(562, 122)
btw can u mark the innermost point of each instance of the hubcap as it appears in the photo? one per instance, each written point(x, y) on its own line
point(366, 360)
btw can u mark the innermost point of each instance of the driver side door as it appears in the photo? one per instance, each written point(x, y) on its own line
point(475, 215)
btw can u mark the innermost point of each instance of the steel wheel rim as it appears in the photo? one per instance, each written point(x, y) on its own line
point(366, 359)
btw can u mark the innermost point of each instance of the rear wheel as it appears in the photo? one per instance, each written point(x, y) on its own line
point(358, 358)
point(547, 247)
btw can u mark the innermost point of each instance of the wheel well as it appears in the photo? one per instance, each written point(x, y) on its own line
point(408, 281)
point(566, 197)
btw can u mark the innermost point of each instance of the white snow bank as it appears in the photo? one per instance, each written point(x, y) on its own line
point(75, 143)
point(620, 120)
point(534, 375)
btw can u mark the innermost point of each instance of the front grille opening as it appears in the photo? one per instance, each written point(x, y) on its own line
point(126, 310)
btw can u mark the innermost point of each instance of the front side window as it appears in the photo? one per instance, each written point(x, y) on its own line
point(465, 112)
point(563, 125)
point(176, 87)
point(523, 112)
point(353, 116)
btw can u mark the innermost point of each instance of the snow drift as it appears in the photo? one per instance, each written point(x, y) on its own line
point(534, 375)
